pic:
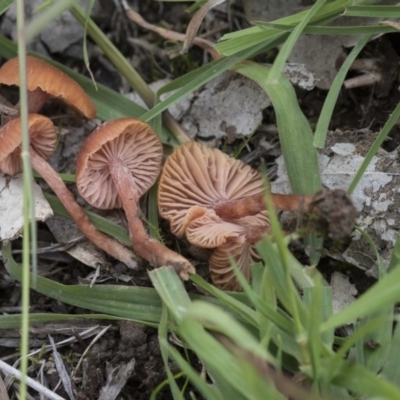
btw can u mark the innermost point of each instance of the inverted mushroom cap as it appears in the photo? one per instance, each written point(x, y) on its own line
point(43, 138)
point(231, 241)
point(197, 175)
point(50, 80)
point(128, 141)
point(222, 274)
point(209, 231)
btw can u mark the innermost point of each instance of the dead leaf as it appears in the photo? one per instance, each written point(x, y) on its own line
point(11, 206)
point(343, 291)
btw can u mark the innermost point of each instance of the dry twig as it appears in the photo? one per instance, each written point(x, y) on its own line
point(16, 374)
point(171, 35)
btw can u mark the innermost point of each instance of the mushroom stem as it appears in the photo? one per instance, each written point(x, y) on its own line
point(145, 247)
point(110, 246)
point(36, 100)
point(255, 233)
point(252, 205)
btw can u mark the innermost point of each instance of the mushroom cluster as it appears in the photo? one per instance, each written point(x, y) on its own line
point(44, 82)
point(195, 181)
point(217, 202)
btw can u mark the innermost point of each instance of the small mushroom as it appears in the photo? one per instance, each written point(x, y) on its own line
point(229, 240)
point(43, 141)
point(44, 82)
point(117, 163)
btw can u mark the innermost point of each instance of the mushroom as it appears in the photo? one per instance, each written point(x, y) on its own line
point(197, 175)
point(43, 139)
point(230, 241)
point(118, 163)
point(44, 82)
point(218, 203)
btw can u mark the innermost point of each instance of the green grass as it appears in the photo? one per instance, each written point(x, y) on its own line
point(283, 321)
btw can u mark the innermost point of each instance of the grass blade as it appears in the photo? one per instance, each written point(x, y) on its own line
point(395, 116)
point(294, 130)
point(384, 293)
point(361, 381)
point(333, 94)
point(373, 11)
point(287, 47)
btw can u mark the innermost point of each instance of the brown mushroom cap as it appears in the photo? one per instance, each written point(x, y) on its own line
point(50, 80)
point(128, 141)
point(196, 175)
point(43, 138)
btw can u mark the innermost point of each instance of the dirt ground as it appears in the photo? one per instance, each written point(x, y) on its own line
point(356, 109)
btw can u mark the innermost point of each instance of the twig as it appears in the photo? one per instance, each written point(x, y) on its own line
point(8, 369)
point(195, 23)
point(11, 111)
point(171, 35)
point(95, 339)
point(363, 80)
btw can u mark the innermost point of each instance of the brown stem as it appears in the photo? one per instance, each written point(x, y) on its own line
point(255, 233)
point(36, 100)
point(110, 246)
point(252, 205)
point(145, 247)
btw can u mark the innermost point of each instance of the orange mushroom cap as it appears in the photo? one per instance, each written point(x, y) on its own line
point(41, 75)
point(43, 138)
point(197, 175)
point(126, 140)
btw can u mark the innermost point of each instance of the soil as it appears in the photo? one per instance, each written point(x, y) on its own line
point(123, 342)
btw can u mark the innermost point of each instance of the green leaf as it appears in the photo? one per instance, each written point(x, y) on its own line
point(337, 30)
point(136, 303)
point(186, 84)
point(234, 42)
point(5, 5)
point(14, 321)
point(163, 340)
point(373, 11)
point(384, 293)
point(363, 382)
point(287, 47)
point(391, 368)
point(374, 347)
point(171, 290)
point(208, 391)
point(294, 130)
